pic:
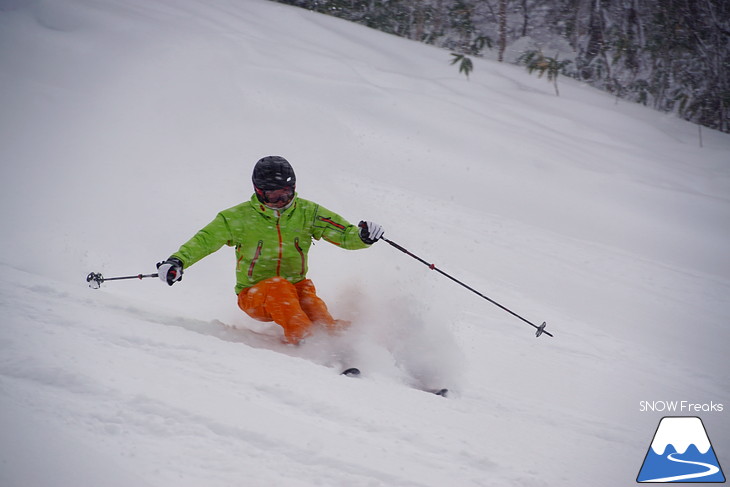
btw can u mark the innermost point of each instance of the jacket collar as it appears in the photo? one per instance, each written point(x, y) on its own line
point(273, 212)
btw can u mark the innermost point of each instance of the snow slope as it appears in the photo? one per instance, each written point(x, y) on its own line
point(126, 125)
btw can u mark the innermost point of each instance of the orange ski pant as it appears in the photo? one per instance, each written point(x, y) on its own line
point(295, 307)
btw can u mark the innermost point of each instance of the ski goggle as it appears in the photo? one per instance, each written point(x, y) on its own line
point(283, 195)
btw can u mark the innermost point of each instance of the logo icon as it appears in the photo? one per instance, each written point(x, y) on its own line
point(680, 452)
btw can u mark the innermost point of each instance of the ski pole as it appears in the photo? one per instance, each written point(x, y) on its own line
point(95, 279)
point(540, 329)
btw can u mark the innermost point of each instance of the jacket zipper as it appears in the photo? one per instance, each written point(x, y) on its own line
point(301, 253)
point(256, 256)
point(281, 244)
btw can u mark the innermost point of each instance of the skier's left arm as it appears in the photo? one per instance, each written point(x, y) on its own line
point(336, 230)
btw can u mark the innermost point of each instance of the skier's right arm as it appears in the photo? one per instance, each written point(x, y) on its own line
point(208, 240)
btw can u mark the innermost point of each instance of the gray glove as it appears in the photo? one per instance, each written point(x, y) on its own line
point(370, 232)
point(170, 271)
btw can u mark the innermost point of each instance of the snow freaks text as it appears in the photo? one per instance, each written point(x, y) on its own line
point(679, 407)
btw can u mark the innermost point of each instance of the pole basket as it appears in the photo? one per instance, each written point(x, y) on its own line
point(94, 279)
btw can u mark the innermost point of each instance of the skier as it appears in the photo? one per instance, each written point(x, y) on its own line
point(272, 233)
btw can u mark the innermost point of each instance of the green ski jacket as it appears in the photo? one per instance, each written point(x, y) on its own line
point(270, 242)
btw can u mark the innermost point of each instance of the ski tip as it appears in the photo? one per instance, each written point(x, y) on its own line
point(440, 392)
point(351, 372)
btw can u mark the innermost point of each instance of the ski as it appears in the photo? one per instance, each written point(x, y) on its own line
point(351, 372)
point(355, 372)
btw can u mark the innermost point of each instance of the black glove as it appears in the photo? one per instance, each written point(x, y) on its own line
point(170, 271)
point(370, 232)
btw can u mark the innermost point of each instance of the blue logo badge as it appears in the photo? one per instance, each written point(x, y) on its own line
point(680, 452)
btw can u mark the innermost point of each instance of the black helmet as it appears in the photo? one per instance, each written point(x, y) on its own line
point(272, 173)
